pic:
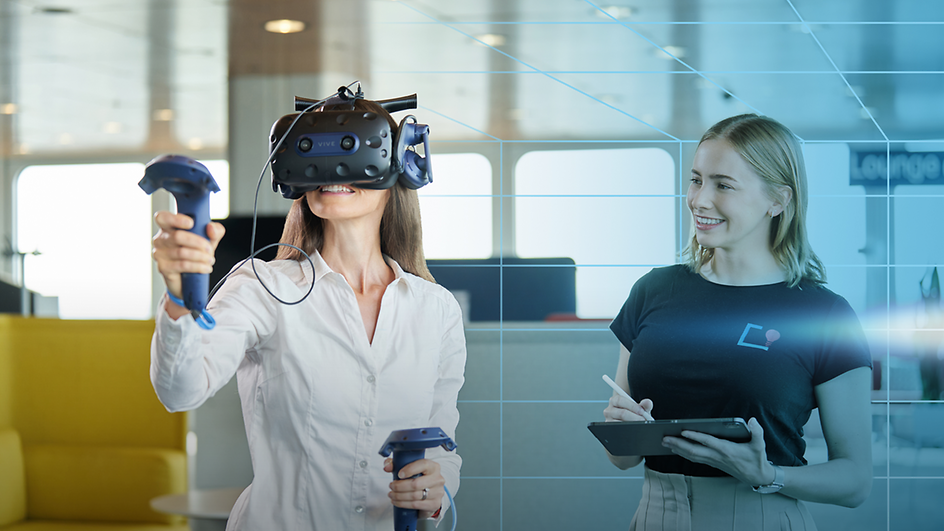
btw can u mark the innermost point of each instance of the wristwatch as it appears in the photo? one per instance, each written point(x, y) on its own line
point(775, 486)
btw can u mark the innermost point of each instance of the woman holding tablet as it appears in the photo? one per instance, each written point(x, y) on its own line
point(745, 328)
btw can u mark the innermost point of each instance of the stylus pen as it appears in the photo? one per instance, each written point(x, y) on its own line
point(619, 390)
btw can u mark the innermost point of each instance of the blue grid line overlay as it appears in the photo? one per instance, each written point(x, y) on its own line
point(538, 70)
point(678, 59)
point(664, 72)
point(833, 63)
point(709, 75)
point(615, 22)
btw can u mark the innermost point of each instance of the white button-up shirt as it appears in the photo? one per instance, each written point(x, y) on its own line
point(318, 399)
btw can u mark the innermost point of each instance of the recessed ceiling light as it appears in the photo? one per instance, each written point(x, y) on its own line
point(195, 144)
point(805, 28)
point(23, 149)
point(617, 12)
point(284, 26)
point(517, 114)
point(65, 139)
point(677, 51)
point(610, 99)
point(8, 108)
point(163, 115)
point(55, 10)
point(491, 39)
point(855, 90)
point(112, 128)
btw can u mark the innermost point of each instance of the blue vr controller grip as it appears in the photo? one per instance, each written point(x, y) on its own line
point(190, 183)
point(408, 446)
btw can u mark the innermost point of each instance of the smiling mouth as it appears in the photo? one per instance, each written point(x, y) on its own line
point(335, 189)
point(707, 223)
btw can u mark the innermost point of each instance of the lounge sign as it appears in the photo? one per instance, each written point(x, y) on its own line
point(871, 168)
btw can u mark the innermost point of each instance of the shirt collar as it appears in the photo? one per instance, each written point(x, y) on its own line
point(398, 272)
point(322, 269)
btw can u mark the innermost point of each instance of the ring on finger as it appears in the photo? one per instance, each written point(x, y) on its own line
point(425, 493)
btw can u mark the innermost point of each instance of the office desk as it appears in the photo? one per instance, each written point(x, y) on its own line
point(207, 509)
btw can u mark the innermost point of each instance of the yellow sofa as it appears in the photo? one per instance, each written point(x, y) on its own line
point(84, 442)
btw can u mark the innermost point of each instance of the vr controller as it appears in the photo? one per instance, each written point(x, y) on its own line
point(408, 446)
point(341, 144)
point(190, 183)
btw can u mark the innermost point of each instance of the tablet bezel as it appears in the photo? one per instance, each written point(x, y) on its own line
point(644, 437)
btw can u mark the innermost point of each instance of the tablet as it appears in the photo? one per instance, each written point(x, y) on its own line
point(644, 437)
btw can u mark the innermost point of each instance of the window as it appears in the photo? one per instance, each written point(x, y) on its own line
point(91, 224)
point(219, 201)
point(457, 207)
point(611, 210)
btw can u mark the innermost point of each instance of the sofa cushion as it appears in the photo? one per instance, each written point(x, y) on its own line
point(53, 525)
point(108, 484)
point(12, 482)
point(86, 383)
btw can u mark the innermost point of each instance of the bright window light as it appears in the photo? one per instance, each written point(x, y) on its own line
point(457, 207)
point(92, 225)
point(219, 201)
point(611, 210)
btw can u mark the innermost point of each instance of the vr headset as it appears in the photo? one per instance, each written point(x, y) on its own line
point(332, 142)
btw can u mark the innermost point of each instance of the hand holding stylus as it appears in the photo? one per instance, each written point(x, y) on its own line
point(623, 408)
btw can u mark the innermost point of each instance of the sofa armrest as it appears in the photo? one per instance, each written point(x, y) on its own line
point(105, 484)
point(12, 478)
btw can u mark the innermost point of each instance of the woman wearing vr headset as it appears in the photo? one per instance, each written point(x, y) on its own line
point(744, 327)
point(376, 347)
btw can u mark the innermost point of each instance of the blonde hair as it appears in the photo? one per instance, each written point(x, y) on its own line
point(775, 154)
point(401, 230)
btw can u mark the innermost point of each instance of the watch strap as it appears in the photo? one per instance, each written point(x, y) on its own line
point(776, 485)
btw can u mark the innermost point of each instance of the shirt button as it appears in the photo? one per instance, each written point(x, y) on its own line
point(371, 379)
point(363, 464)
point(368, 422)
point(359, 509)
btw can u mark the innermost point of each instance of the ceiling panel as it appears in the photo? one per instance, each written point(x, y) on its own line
point(87, 75)
point(884, 47)
point(906, 106)
point(754, 48)
point(569, 48)
point(77, 73)
point(200, 73)
point(814, 106)
point(870, 10)
point(593, 106)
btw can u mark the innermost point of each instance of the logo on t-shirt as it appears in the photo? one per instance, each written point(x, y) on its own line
point(771, 335)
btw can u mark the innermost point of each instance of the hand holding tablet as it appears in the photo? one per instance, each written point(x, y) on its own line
point(644, 437)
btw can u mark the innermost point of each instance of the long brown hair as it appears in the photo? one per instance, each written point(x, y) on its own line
point(401, 229)
point(775, 154)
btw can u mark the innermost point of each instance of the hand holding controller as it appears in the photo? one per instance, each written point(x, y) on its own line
point(409, 446)
point(190, 183)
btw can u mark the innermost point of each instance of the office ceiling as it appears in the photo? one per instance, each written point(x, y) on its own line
point(112, 76)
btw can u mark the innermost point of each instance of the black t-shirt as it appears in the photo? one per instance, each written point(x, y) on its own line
point(706, 350)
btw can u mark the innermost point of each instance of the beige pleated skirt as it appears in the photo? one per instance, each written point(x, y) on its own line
point(673, 502)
